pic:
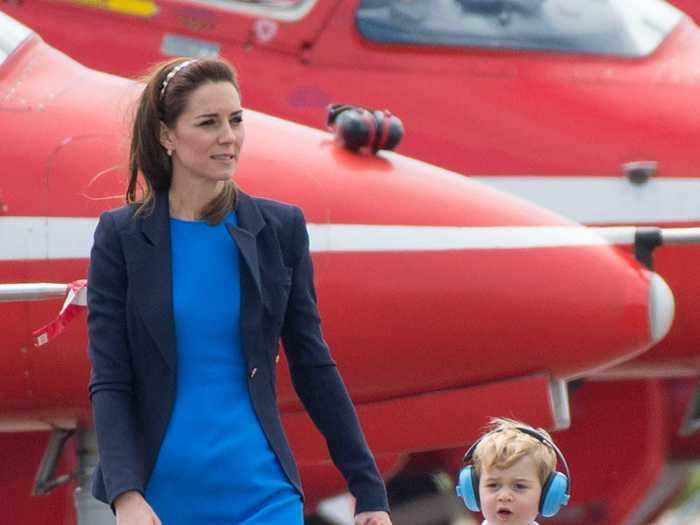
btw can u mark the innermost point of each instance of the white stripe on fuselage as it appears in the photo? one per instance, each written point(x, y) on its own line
point(41, 238)
point(608, 200)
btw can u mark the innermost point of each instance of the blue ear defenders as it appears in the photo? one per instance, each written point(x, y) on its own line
point(555, 492)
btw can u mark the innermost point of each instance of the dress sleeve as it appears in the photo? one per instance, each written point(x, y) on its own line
point(320, 387)
point(111, 377)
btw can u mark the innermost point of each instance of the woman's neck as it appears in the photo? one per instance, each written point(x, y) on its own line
point(188, 200)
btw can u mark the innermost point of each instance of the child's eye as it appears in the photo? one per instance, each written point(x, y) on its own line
point(236, 120)
point(520, 486)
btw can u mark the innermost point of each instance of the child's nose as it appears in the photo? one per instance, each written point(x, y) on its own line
point(505, 495)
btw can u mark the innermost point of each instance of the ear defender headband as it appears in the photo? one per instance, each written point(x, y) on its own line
point(357, 127)
point(556, 490)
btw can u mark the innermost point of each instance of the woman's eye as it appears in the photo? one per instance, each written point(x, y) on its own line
point(206, 123)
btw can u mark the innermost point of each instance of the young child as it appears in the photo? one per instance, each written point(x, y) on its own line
point(510, 475)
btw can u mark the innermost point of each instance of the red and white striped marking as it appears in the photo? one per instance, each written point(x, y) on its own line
point(75, 303)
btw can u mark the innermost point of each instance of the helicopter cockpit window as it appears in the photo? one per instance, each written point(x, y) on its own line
point(12, 34)
point(605, 27)
point(286, 10)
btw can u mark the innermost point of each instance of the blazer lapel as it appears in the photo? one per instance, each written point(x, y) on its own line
point(250, 222)
point(154, 281)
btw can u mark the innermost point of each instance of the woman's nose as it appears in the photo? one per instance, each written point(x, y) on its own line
point(228, 134)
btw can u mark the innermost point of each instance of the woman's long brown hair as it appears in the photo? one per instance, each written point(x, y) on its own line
point(150, 167)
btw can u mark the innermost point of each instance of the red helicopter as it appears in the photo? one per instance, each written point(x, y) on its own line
point(585, 110)
point(424, 331)
point(299, 56)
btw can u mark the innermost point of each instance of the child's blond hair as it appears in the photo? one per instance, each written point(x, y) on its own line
point(503, 444)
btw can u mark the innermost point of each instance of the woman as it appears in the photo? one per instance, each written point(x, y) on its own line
point(190, 287)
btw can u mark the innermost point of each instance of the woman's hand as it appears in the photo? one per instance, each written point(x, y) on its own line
point(372, 518)
point(132, 509)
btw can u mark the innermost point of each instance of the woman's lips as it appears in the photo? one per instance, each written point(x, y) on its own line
point(223, 157)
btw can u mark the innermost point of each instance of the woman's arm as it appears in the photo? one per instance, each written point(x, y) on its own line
point(320, 387)
point(111, 379)
point(373, 518)
point(132, 509)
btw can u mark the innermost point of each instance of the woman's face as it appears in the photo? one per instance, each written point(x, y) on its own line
point(207, 138)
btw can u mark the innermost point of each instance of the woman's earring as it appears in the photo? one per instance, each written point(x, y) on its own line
point(170, 152)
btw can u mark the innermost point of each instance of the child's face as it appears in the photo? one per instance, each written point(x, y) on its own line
point(510, 495)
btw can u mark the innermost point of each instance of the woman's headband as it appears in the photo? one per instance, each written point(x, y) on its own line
point(174, 72)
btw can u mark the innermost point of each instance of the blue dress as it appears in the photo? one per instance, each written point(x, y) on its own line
point(215, 466)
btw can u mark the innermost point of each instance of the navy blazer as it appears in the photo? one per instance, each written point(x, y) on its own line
point(133, 354)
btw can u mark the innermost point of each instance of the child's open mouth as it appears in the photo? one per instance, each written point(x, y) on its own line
point(504, 513)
